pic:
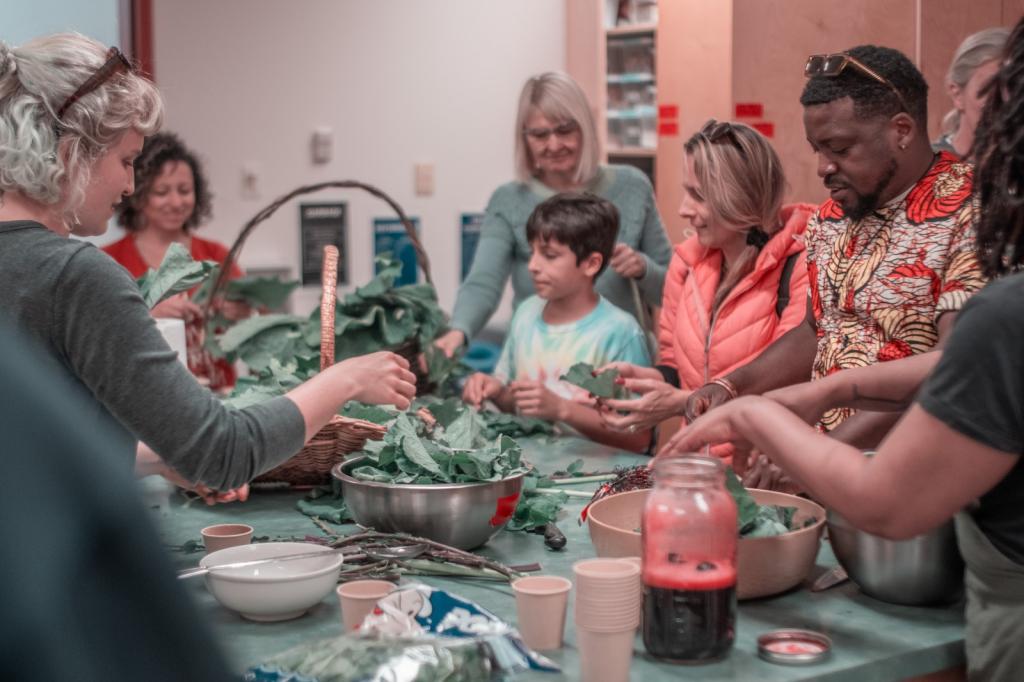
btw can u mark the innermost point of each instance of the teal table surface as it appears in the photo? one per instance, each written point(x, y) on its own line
point(872, 640)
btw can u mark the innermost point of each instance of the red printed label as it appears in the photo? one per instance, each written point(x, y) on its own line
point(668, 128)
point(668, 111)
point(504, 509)
point(749, 110)
point(766, 129)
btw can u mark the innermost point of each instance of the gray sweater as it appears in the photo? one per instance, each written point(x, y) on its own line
point(504, 250)
point(87, 316)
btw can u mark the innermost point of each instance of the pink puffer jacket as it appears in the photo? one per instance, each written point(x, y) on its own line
point(703, 346)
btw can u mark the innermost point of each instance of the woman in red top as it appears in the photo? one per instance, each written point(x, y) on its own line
point(171, 199)
point(732, 288)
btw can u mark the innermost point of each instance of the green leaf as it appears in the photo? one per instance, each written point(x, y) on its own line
point(575, 467)
point(411, 445)
point(250, 330)
point(447, 411)
point(369, 473)
point(603, 385)
point(466, 432)
point(745, 504)
point(260, 292)
point(536, 511)
point(177, 273)
point(354, 409)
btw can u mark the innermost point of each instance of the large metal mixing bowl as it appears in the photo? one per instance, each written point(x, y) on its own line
point(926, 569)
point(463, 515)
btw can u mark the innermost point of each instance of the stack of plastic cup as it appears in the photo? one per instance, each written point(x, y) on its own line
point(607, 614)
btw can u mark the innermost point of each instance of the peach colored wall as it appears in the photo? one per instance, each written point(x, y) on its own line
point(772, 39)
point(695, 72)
point(944, 24)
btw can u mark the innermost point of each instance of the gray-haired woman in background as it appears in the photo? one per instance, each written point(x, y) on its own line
point(974, 63)
point(557, 151)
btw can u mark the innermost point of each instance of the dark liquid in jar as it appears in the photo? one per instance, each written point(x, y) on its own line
point(689, 622)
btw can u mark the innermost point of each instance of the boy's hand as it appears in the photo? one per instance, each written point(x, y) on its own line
point(480, 387)
point(533, 399)
point(628, 262)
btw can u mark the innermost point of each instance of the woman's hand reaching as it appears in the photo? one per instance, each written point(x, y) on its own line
point(381, 378)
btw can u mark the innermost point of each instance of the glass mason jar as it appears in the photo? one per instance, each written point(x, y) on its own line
point(689, 560)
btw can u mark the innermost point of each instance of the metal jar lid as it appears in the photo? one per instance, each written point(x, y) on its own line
point(794, 647)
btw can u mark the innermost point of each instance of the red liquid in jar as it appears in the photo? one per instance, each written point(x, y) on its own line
point(690, 610)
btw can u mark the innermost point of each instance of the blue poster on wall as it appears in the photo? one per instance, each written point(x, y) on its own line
point(389, 236)
point(471, 223)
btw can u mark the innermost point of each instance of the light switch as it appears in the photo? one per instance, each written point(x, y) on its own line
point(424, 179)
point(322, 145)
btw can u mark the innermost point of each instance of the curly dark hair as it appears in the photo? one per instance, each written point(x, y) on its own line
point(582, 221)
point(156, 151)
point(871, 98)
point(999, 151)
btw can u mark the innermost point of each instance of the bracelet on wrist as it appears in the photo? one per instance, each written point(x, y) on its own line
point(728, 386)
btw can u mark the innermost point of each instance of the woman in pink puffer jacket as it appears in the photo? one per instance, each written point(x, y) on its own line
point(734, 287)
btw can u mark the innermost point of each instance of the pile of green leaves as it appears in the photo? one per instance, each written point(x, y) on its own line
point(600, 385)
point(495, 423)
point(269, 293)
point(755, 520)
point(377, 316)
point(456, 451)
point(177, 273)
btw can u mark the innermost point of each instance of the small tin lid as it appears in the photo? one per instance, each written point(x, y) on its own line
point(794, 647)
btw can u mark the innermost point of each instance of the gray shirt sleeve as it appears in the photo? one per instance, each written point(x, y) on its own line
point(111, 342)
point(481, 291)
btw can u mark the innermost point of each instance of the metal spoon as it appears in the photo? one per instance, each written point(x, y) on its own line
point(396, 553)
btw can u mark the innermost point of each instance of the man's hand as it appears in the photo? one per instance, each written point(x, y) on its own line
point(764, 475)
point(533, 399)
point(704, 399)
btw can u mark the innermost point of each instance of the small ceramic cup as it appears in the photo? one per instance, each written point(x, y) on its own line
point(224, 535)
point(358, 599)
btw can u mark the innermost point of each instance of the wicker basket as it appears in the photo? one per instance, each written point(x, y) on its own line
point(342, 435)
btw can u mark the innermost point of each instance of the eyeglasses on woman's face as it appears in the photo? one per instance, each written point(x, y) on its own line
point(561, 130)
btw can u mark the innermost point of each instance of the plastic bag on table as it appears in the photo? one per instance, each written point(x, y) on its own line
point(415, 634)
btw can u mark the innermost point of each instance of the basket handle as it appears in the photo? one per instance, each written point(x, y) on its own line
point(232, 257)
point(329, 279)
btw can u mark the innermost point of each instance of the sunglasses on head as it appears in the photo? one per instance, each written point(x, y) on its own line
point(116, 63)
point(714, 131)
point(831, 65)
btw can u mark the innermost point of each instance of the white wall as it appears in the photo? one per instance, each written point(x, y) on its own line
point(27, 19)
point(400, 82)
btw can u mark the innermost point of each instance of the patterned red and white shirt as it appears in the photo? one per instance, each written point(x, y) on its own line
point(879, 285)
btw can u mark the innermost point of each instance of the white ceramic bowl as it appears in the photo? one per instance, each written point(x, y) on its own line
point(274, 591)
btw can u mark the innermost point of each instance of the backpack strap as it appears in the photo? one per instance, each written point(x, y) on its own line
point(787, 274)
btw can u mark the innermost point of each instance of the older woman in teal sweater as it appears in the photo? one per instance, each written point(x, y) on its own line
point(557, 151)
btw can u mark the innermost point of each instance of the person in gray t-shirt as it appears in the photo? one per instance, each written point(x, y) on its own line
point(73, 116)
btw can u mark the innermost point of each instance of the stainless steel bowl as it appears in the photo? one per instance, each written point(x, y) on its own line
point(463, 515)
point(926, 569)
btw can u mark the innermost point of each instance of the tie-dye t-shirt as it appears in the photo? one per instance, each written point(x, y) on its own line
point(535, 349)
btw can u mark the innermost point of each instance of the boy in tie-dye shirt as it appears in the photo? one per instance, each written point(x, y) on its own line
point(571, 239)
